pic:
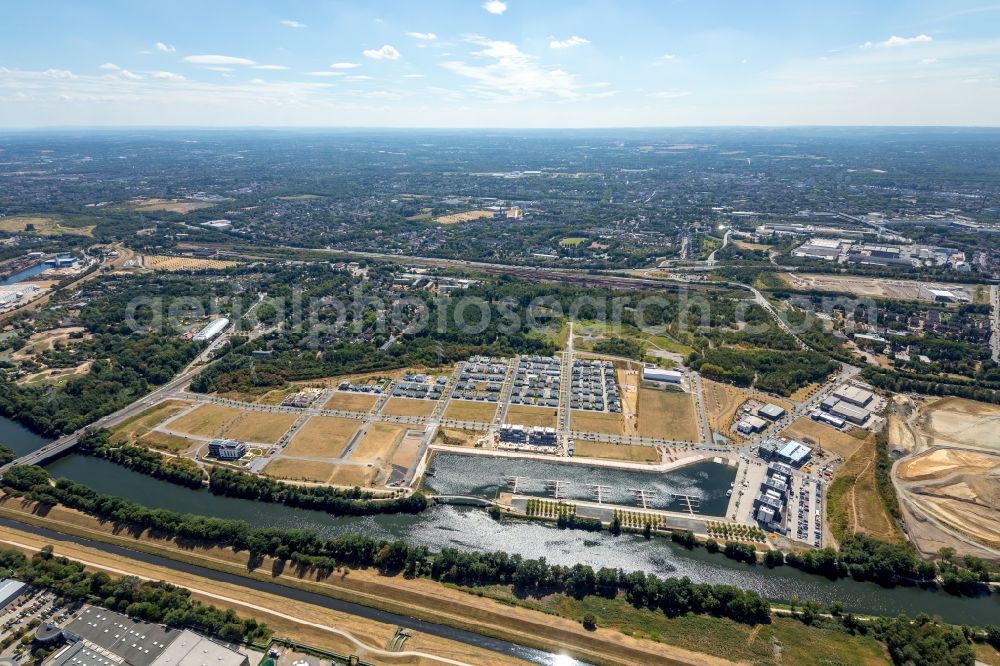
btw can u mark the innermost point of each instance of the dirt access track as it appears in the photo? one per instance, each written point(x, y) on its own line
point(419, 598)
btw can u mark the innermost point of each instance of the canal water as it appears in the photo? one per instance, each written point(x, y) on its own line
point(473, 530)
point(25, 274)
point(484, 476)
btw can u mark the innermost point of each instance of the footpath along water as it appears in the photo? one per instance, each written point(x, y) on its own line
point(473, 530)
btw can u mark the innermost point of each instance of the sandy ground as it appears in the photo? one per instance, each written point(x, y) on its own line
point(961, 422)
point(45, 225)
point(864, 508)
point(950, 480)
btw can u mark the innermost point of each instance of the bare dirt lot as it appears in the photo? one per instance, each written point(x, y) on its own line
point(586, 421)
point(721, 403)
point(136, 427)
point(961, 422)
point(351, 402)
point(378, 443)
point(527, 415)
point(323, 437)
point(871, 287)
point(406, 453)
point(467, 410)
point(959, 488)
point(829, 439)
point(626, 452)
point(44, 225)
point(164, 263)
point(45, 340)
point(467, 216)
point(456, 437)
point(220, 421)
point(168, 205)
point(667, 415)
point(409, 407)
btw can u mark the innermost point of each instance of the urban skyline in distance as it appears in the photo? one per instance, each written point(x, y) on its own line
point(509, 64)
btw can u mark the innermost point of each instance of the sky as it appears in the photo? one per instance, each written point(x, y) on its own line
point(498, 63)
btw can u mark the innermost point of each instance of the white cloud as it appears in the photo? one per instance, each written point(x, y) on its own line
point(272, 68)
point(217, 60)
point(323, 73)
point(59, 74)
point(125, 74)
point(423, 36)
point(900, 41)
point(387, 52)
point(413, 76)
point(110, 65)
point(258, 81)
point(217, 68)
point(344, 65)
point(288, 23)
point(514, 74)
point(168, 76)
point(495, 7)
point(671, 94)
point(668, 56)
point(928, 61)
point(575, 40)
point(165, 48)
point(359, 77)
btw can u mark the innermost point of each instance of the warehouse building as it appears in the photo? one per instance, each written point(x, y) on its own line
point(771, 412)
point(850, 413)
point(853, 394)
point(749, 425)
point(662, 376)
point(791, 453)
point(10, 590)
point(100, 637)
point(215, 327)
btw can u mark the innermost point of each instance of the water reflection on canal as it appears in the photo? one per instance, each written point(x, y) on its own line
point(472, 529)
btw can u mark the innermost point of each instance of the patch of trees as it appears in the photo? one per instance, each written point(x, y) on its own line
point(126, 368)
point(335, 501)
point(182, 471)
point(781, 372)
point(620, 347)
point(142, 600)
point(923, 642)
point(7, 455)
